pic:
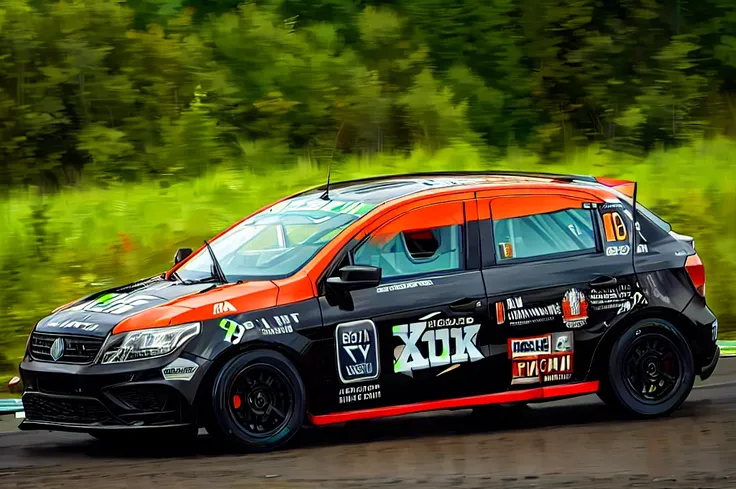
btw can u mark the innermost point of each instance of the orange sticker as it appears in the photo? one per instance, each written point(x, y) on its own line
point(500, 315)
point(614, 227)
point(505, 250)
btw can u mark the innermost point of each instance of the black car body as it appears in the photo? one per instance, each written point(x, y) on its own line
point(383, 297)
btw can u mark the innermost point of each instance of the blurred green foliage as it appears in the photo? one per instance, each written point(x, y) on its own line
point(108, 90)
point(131, 128)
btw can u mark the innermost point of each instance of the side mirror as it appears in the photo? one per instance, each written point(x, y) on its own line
point(355, 277)
point(181, 254)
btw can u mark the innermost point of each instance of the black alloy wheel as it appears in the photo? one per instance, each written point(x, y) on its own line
point(262, 400)
point(259, 401)
point(651, 369)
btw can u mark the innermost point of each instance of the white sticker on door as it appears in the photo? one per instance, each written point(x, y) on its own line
point(357, 351)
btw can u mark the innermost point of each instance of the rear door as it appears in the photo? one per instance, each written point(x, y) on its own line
point(420, 334)
point(557, 269)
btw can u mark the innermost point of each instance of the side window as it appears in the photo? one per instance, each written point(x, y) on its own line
point(426, 240)
point(538, 235)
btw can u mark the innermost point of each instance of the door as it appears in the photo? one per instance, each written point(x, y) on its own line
point(557, 269)
point(420, 334)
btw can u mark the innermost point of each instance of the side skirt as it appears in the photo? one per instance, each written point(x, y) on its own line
point(536, 394)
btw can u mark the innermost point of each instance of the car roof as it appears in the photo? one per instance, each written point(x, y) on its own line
point(376, 190)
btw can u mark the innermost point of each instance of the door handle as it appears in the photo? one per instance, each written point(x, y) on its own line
point(603, 281)
point(466, 305)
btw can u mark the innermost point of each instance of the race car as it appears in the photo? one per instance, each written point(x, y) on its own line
point(382, 297)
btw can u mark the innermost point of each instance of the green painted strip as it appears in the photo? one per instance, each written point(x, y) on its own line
point(726, 343)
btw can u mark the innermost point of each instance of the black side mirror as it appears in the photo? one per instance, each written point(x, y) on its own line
point(181, 254)
point(355, 277)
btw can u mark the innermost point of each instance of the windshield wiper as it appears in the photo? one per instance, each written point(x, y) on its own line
point(216, 268)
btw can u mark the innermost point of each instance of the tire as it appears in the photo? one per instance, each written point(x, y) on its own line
point(605, 394)
point(651, 370)
point(258, 401)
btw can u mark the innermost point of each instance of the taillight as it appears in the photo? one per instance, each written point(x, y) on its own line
point(695, 269)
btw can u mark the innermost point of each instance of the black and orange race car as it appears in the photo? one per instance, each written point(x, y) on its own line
point(383, 297)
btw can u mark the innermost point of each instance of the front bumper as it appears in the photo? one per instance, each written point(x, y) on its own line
point(88, 398)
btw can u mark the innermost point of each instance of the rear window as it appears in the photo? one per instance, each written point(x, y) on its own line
point(540, 235)
point(654, 218)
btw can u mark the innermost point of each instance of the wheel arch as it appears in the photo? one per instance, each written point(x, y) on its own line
point(683, 325)
point(203, 396)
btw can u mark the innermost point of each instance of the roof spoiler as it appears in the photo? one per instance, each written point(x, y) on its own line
point(626, 187)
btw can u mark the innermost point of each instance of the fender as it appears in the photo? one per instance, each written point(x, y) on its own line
point(684, 326)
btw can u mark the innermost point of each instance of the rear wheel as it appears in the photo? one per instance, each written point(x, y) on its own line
point(650, 370)
point(259, 401)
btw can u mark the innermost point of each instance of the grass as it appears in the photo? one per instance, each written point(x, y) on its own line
point(56, 248)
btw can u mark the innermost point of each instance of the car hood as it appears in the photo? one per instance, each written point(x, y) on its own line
point(153, 302)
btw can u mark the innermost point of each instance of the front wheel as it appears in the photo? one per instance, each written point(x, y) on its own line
point(650, 370)
point(258, 401)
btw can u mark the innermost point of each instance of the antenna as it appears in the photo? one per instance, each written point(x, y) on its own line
point(326, 195)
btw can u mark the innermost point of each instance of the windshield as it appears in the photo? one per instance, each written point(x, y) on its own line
point(277, 242)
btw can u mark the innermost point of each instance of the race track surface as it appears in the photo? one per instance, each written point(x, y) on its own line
point(570, 444)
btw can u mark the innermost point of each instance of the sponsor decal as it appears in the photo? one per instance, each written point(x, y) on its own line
point(404, 286)
point(519, 315)
point(714, 330)
point(113, 303)
point(609, 297)
point(655, 290)
point(622, 250)
point(590, 205)
point(530, 347)
point(574, 309)
point(616, 233)
point(612, 205)
point(500, 313)
point(636, 299)
point(547, 358)
point(333, 206)
point(180, 369)
point(444, 346)
point(642, 247)
point(349, 395)
point(356, 343)
point(279, 324)
point(551, 368)
point(222, 308)
point(614, 227)
point(73, 325)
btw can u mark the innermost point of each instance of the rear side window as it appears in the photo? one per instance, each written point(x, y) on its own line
point(540, 235)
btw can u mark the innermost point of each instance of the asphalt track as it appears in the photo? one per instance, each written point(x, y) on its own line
point(575, 443)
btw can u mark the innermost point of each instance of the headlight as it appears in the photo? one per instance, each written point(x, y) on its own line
point(147, 343)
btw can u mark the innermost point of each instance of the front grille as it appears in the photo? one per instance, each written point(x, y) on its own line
point(76, 385)
point(64, 410)
point(144, 398)
point(77, 349)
